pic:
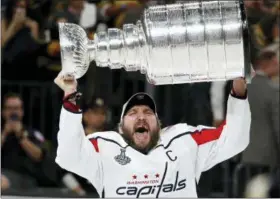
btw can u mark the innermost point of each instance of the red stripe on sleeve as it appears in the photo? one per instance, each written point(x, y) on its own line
point(71, 107)
point(207, 135)
point(95, 144)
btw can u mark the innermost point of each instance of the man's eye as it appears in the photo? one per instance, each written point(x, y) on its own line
point(132, 113)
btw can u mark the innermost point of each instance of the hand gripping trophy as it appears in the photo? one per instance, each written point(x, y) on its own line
point(172, 44)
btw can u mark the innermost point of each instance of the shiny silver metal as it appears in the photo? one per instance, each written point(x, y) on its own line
point(178, 43)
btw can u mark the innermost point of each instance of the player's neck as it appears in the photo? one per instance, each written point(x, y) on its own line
point(90, 130)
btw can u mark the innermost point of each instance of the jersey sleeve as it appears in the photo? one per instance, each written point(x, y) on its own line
point(75, 152)
point(215, 145)
point(217, 99)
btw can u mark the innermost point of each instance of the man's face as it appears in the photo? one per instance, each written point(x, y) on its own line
point(13, 108)
point(95, 118)
point(141, 128)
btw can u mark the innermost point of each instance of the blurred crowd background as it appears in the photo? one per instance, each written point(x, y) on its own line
point(31, 103)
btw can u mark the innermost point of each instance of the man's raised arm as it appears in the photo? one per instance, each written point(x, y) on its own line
point(219, 144)
point(75, 152)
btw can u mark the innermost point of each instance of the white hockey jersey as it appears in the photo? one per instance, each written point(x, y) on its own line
point(171, 169)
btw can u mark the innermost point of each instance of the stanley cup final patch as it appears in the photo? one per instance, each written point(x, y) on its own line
point(122, 159)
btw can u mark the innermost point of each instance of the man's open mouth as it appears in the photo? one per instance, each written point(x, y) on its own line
point(141, 130)
point(141, 133)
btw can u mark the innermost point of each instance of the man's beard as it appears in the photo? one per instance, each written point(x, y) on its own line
point(128, 136)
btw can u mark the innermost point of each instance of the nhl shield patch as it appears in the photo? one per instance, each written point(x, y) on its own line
point(122, 159)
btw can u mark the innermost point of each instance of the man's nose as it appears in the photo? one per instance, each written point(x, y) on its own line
point(140, 116)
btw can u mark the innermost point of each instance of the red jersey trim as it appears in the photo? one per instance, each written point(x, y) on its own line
point(69, 106)
point(69, 102)
point(95, 144)
point(207, 135)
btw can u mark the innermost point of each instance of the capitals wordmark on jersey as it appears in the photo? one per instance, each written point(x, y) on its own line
point(151, 189)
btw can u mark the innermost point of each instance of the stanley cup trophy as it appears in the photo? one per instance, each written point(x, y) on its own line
point(172, 44)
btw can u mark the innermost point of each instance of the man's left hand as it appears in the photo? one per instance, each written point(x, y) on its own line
point(239, 87)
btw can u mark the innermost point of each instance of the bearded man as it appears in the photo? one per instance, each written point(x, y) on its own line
point(142, 159)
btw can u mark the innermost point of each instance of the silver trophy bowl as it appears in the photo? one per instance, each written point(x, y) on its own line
point(179, 43)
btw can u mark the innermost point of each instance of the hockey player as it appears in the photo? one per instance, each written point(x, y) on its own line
point(142, 159)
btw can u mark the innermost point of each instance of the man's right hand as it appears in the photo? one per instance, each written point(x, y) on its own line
point(67, 83)
point(12, 127)
point(8, 128)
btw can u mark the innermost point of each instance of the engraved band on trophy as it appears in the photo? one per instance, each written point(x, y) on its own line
point(178, 43)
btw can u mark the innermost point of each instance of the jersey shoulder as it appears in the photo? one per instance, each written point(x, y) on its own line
point(108, 137)
point(176, 130)
point(178, 134)
point(180, 130)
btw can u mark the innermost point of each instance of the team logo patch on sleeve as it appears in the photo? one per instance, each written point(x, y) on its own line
point(122, 159)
